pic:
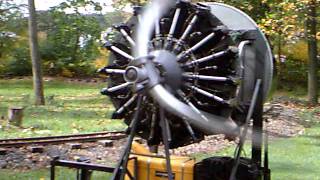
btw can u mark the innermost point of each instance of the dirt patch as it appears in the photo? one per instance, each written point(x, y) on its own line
point(281, 120)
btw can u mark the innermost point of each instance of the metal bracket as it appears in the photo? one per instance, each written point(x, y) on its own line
point(245, 129)
point(85, 168)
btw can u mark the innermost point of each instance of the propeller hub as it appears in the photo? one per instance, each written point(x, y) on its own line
point(169, 68)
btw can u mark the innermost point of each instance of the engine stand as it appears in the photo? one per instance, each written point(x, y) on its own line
point(121, 169)
point(256, 112)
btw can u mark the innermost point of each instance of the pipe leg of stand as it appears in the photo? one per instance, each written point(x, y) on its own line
point(166, 143)
point(266, 158)
point(52, 172)
point(242, 139)
point(120, 170)
point(85, 174)
point(257, 140)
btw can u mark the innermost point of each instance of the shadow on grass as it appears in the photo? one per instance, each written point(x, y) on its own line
point(316, 137)
point(286, 167)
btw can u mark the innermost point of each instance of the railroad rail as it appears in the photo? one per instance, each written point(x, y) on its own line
point(87, 137)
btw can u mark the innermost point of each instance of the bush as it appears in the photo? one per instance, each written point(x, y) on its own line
point(294, 70)
point(19, 62)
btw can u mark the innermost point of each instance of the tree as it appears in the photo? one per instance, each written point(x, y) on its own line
point(11, 20)
point(35, 56)
point(123, 3)
point(70, 39)
point(311, 33)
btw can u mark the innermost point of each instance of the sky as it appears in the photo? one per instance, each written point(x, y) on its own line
point(46, 4)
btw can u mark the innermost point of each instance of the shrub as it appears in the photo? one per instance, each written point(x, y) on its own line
point(19, 62)
point(294, 70)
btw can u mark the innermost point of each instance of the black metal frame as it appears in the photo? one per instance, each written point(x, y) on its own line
point(85, 168)
point(256, 112)
point(121, 169)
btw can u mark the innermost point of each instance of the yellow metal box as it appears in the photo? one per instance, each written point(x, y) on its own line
point(152, 167)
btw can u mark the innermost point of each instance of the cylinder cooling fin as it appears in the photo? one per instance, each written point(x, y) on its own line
point(198, 74)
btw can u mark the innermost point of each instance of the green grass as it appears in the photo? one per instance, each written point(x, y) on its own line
point(44, 174)
point(295, 158)
point(70, 108)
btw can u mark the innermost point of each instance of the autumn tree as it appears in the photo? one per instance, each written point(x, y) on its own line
point(311, 33)
point(70, 44)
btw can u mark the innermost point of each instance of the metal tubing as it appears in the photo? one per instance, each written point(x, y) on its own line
point(206, 93)
point(153, 123)
point(241, 46)
point(204, 59)
point(118, 87)
point(139, 18)
point(165, 139)
point(128, 38)
point(159, 41)
point(120, 170)
point(174, 22)
point(188, 29)
point(196, 46)
point(168, 129)
point(127, 104)
point(122, 53)
point(245, 129)
point(194, 108)
point(190, 130)
point(114, 71)
point(206, 78)
point(81, 165)
point(157, 29)
point(202, 42)
point(52, 171)
point(185, 34)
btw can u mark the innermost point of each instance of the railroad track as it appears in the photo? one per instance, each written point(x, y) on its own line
point(88, 137)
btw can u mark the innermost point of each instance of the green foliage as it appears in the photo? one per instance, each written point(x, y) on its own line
point(256, 9)
point(70, 42)
point(120, 4)
point(19, 63)
point(12, 28)
point(113, 17)
point(294, 69)
point(297, 51)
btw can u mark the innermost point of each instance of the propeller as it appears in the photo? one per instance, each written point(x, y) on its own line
point(191, 63)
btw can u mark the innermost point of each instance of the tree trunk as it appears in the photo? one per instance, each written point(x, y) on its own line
point(15, 116)
point(35, 56)
point(312, 51)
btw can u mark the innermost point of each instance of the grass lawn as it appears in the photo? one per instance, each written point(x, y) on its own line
point(295, 158)
point(44, 174)
point(71, 107)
